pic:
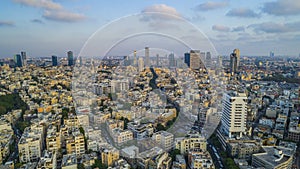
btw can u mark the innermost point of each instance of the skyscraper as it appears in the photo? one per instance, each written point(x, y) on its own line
point(220, 61)
point(238, 56)
point(272, 54)
point(157, 60)
point(54, 61)
point(208, 60)
point(171, 60)
point(70, 58)
point(141, 64)
point(24, 57)
point(18, 60)
point(234, 114)
point(187, 58)
point(147, 59)
point(195, 60)
point(233, 63)
point(134, 58)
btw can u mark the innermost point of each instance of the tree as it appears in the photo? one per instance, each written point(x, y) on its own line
point(173, 154)
point(99, 164)
point(80, 166)
point(160, 127)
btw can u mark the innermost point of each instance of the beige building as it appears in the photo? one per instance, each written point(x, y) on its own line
point(47, 161)
point(109, 156)
point(164, 139)
point(30, 144)
point(53, 139)
point(192, 141)
point(198, 159)
point(75, 143)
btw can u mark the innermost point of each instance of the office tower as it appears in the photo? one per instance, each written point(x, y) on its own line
point(18, 60)
point(54, 61)
point(157, 60)
point(134, 58)
point(195, 60)
point(233, 63)
point(171, 60)
point(23, 55)
point(234, 114)
point(70, 58)
point(141, 64)
point(220, 61)
point(80, 60)
point(208, 60)
point(238, 56)
point(187, 58)
point(272, 54)
point(147, 61)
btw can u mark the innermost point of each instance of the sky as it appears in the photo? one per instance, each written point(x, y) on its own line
point(91, 27)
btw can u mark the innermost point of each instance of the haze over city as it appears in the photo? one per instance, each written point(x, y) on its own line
point(45, 28)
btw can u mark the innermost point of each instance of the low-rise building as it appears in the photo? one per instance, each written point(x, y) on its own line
point(164, 139)
point(192, 141)
point(48, 160)
point(109, 156)
point(69, 161)
point(274, 158)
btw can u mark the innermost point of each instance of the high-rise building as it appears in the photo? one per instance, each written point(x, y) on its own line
point(234, 114)
point(195, 60)
point(208, 60)
point(147, 57)
point(187, 58)
point(220, 61)
point(54, 61)
point(238, 56)
point(272, 54)
point(70, 58)
point(24, 57)
point(157, 60)
point(18, 60)
point(233, 63)
point(141, 64)
point(171, 60)
point(134, 58)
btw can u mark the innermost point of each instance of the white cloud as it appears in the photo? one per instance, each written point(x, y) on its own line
point(210, 5)
point(282, 7)
point(63, 16)
point(243, 13)
point(161, 11)
point(220, 28)
point(272, 27)
point(46, 4)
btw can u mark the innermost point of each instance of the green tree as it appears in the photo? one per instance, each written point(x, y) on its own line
point(99, 164)
point(80, 166)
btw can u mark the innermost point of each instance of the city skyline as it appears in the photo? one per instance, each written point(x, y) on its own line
point(46, 28)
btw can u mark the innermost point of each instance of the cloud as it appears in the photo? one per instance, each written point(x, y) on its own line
point(243, 13)
point(63, 16)
point(220, 28)
point(210, 5)
point(161, 8)
point(6, 23)
point(282, 7)
point(238, 29)
point(272, 27)
point(46, 4)
point(37, 21)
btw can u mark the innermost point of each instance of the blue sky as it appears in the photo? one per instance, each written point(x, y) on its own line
point(52, 27)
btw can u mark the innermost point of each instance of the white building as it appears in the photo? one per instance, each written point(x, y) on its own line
point(234, 114)
point(164, 139)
